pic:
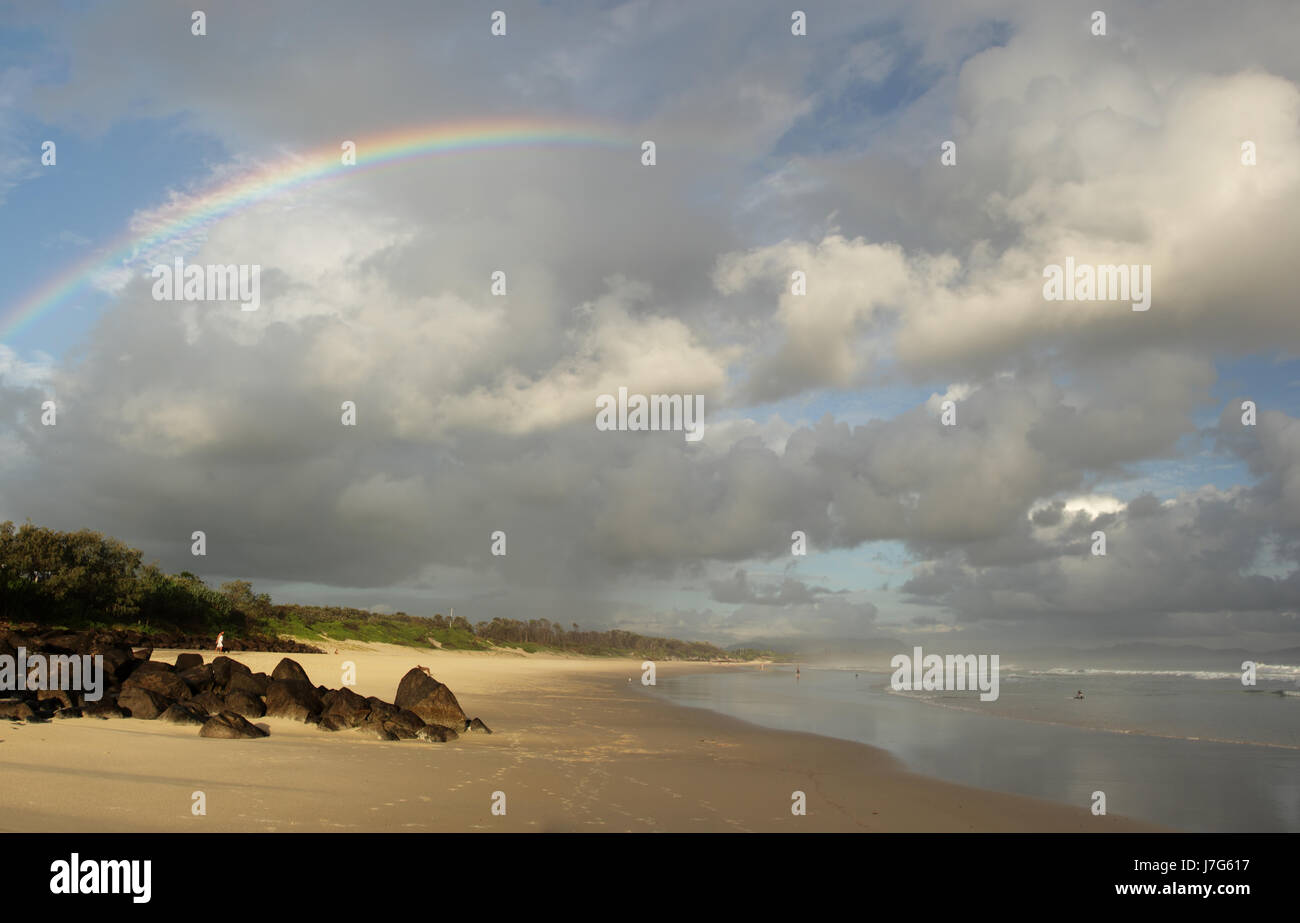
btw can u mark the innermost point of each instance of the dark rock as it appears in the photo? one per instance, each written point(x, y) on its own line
point(143, 653)
point(263, 682)
point(345, 704)
point(477, 725)
point(241, 703)
point(16, 711)
point(210, 702)
point(290, 669)
point(230, 726)
point(188, 661)
point(199, 678)
point(63, 698)
point(333, 723)
point(376, 730)
point(144, 703)
point(436, 733)
point(222, 669)
point(106, 707)
point(165, 684)
point(245, 683)
point(429, 699)
point(184, 713)
point(68, 713)
point(290, 698)
point(152, 666)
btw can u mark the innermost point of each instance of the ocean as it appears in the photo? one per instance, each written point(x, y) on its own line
point(1189, 749)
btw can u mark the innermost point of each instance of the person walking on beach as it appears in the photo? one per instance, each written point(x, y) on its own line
point(221, 641)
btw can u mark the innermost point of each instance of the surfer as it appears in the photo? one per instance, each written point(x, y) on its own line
point(1078, 694)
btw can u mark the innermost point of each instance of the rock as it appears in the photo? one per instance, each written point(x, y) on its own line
point(68, 713)
point(291, 698)
point(346, 705)
point(211, 702)
point(229, 726)
point(436, 733)
point(244, 682)
point(241, 703)
point(142, 703)
point(262, 681)
point(166, 684)
point(184, 713)
point(290, 669)
point(105, 708)
point(429, 699)
point(142, 653)
point(477, 725)
point(152, 666)
point(223, 667)
point(188, 661)
point(118, 662)
point(333, 723)
point(199, 678)
point(16, 711)
point(57, 695)
point(376, 730)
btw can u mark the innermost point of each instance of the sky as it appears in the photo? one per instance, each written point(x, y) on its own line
point(775, 153)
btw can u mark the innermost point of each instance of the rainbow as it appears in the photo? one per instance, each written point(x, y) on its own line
point(252, 186)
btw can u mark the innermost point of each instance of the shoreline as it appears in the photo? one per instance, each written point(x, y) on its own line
point(574, 748)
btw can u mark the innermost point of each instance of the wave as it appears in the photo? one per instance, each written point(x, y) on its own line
point(1262, 671)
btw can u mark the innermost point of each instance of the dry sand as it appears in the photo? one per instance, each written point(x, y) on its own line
point(576, 747)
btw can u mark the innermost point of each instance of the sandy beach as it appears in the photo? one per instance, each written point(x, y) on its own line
point(576, 747)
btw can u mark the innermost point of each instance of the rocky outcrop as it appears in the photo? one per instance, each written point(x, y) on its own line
point(230, 726)
point(222, 695)
point(292, 698)
point(428, 698)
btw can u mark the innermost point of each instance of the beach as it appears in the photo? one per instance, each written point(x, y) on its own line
point(575, 747)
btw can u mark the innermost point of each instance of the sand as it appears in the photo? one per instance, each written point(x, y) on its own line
point(576, 748)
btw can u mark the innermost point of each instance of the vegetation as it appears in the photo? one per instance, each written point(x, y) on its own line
point(84, 579)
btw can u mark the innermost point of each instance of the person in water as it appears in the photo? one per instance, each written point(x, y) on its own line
point(1078, 694)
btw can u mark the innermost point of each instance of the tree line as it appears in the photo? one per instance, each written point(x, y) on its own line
point(84, 578)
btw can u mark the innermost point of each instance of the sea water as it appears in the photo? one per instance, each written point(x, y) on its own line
point(1188, 749)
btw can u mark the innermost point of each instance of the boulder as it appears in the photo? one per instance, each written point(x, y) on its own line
point(241, 703)
point(188, 661)
point(346, 705)
point(223, 667)
point(436, 733)
point(144, 703)
point(290, 669)
point(105, 708)
point(291, 698)
point(430, 699)
point(199, 678)
point(16, 711)
point(184, 713)
point(376, 730)
point(262, 681)
point(68, 713)
point(333, 723)
point(477, 725)
point(63, 698)
point(165, 683)
point(211, 702)
point(229, 726)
